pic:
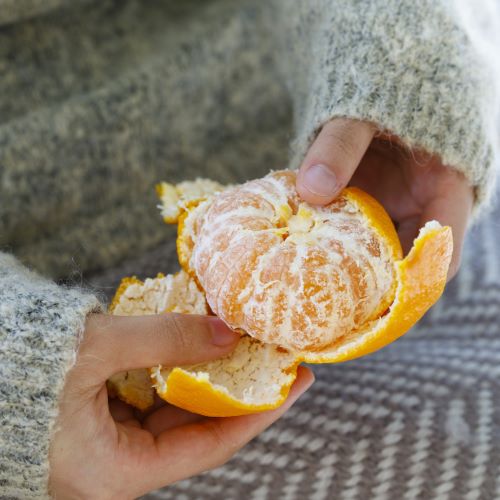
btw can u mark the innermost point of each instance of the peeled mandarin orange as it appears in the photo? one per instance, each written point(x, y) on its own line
point(304, 283)
point(288, 273)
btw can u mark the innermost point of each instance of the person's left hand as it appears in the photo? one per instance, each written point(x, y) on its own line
point(104, 449)
point(414, 187)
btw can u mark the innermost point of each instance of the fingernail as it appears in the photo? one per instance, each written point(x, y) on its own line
point(222, 335)
point(320, 180)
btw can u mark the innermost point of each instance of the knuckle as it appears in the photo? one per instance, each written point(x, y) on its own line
point(83, 388)
point(176, 332)
point(347, 137)
point(90, 335)
point(98, 331)
point(103, 350)
point(217, 436)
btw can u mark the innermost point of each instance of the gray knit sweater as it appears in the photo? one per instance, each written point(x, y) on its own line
point(100, 100)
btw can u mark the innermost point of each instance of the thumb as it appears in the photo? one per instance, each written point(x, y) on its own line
point(332, 159)
point(117, 343)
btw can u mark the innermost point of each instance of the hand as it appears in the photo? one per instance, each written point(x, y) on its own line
point(102, 450)
point(413, 186)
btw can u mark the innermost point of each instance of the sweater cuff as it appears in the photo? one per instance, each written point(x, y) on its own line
point(40, 328)
point(473, 155)
point(415, 75)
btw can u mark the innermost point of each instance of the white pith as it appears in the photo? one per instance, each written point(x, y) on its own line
point(254, 373)
point(172, 293)
point(174, 198)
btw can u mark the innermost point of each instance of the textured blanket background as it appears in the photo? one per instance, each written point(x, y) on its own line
point(100, 99)
point(417, 420)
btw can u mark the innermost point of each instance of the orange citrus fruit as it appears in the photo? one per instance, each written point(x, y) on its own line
point(303, 283)
point(288, 273)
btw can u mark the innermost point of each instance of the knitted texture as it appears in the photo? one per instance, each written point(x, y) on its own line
point(416, 69)
point(100, 100)
point(40, 324)
point(110, 106)
point(14, 10)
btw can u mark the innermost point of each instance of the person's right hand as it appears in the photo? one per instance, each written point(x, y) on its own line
point(101, 451)
point(413, 186)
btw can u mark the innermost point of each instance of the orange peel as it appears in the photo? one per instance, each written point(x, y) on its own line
point(258, 374)
point(172, 293)
point(254, 377)
point(175, 197)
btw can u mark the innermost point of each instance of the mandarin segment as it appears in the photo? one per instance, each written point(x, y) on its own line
point(250, 232)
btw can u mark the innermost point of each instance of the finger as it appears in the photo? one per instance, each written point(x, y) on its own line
point(210, 443)
point(332, 159)
point(157, 404)
point(117, 343)
point(131, 423)
point(408, 231)
point(168, 417)
point(120, 411)
point(452, 209)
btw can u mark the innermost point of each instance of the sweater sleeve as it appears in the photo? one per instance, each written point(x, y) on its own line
point(426, 71)
point(40, 325)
